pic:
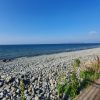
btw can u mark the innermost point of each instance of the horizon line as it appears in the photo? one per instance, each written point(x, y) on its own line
point(52, 43)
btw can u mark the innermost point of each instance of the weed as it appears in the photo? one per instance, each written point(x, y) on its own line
point(22, 90)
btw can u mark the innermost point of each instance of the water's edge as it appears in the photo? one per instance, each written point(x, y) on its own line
point(13, 58)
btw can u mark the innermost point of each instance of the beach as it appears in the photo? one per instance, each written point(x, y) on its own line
point(39, 73)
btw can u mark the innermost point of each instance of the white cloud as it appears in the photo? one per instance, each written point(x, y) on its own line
point(93, 33)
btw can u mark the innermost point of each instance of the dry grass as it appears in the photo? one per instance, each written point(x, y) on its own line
point(93, 65)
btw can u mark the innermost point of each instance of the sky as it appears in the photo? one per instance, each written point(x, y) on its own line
point(49, 21)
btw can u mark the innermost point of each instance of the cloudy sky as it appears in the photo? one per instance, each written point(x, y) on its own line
point(49, 21)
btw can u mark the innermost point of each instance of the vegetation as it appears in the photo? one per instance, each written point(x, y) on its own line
point(69, 88)
point(94, 65)
point(91, 73)
point(76, 63)
point(76, 83)
point(22, 90)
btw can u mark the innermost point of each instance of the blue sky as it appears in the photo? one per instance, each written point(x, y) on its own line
point(49, 21)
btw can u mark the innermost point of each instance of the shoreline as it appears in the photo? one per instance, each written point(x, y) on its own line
point(48, 58)
point(45, 54)
point(39, 73)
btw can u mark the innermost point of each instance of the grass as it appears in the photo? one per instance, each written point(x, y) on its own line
point(69, 87)
point(94, 65)
point(75, 84)
point(76, 63)
point(22, 90)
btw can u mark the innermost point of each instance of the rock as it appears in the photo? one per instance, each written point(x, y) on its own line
point(7, 97)
point(51, 81)
point(14, 94)
point(26, 81)
point(7, 88)
point(18, 98)
point(3, 76)
point(22, 76)
point(33, 92)
point(39, 78)
point(44, 84)
point(28, 98)
point(5, 92)
point(30, 88)
point(48, 96)
point(65, 97)
point(33, 79)
point(1, 95)
point(6, 60)
point(36, 98)
point(8, 79)
point(1, 83)
point(9, 94)
point(36, 91)
point(4, 99)
point(17, 91)
point(17, 80)
point(25, 91)
point(52, 84)
point(14, 84)
point(13, 89)
point(25, 95)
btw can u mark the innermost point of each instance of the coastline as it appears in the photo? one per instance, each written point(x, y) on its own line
point(10, 52)
point(37, 70)
point(45, 54)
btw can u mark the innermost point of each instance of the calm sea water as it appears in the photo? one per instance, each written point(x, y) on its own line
point(14, 51)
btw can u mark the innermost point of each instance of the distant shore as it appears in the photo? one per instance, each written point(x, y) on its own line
point(42, 70)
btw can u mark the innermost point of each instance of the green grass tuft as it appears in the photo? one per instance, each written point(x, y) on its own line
point(22, 90)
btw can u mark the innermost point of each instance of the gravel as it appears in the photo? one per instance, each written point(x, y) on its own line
point(39, 74)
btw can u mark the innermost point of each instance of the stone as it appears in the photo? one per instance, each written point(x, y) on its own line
point(30, 89)
point(7, 88)
point(3, 76)
point(17, 80)
point(25, 95)
point(9, 94)
point(48, 96)
point(18, 98)
point(12, 89)
point(14, 94)
point(28, 98)
point(33, 79)
point(1, 83)
point(7, 97)
point(25, 91)
point(17, 91)
point(4, 99)
point(44, 84)
point(6, 60)
point(65, 97)
point(5, 92)
point(51, 81)
point(1, 95)
point(36, 98)
point(8, 79)
point(39, 78)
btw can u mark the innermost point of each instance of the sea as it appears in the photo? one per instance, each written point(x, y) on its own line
point(30, 50)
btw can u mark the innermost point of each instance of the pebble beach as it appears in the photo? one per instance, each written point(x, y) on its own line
point(39, 74)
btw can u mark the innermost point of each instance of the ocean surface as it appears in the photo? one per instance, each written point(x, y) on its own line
point(15, 51)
